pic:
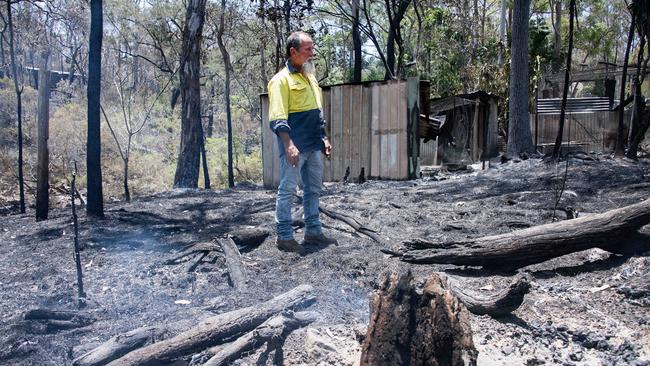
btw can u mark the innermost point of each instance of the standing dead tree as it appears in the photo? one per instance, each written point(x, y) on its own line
point(567, 74)
point(187, 168)
point(19, 106)
point(95, 194)
point(641, 117)
point(620, 134)
point(43, 170)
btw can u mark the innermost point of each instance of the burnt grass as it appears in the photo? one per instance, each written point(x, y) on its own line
point(591, 307)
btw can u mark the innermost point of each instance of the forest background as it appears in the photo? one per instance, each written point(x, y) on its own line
point(460, 46)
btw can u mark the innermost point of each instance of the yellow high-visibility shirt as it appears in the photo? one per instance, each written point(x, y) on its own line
point(295, 106)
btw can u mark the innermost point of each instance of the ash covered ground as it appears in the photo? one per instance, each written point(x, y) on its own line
point(586, 308)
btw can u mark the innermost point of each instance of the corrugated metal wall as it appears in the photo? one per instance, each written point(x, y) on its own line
point(367, 125)
point(592, 131)
point(429, 152)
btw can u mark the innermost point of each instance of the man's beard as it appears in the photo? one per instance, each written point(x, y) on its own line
point(308, 67)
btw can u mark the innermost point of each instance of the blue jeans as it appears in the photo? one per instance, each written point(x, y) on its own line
point(310, 168)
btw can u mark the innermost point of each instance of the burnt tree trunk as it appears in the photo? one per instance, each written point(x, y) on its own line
point(641, 120)
point(356, 41)
point(619, 150)
point(409, 328)
point(395, 17)
point(19, 108)
point(519, 136)
point(187, 168)
point(558, 139)
point(43, 172)
point(614, 231)
point(228, 67)
point(95, 196)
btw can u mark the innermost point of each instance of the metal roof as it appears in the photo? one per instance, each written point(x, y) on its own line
point(574, 105)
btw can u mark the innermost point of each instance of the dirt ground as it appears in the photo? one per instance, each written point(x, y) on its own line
point(587, 308)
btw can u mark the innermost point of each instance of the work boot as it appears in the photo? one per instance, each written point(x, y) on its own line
point(320, 240)
point(290, 245)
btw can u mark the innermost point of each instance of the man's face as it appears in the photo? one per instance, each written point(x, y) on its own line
point(305, 53)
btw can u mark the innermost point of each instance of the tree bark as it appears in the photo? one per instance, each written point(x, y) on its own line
point(558, 139)
point(611, 231)
point(408, 328)
point(519, 135)
point(19, 108)
point(95, 196)
point(187, 168)
point(217, 329)
point(43, 171)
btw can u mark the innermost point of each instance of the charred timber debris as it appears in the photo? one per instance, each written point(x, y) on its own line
point(245, 329)
point(615, 231)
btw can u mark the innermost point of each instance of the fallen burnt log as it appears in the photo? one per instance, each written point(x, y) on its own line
point(608, 231)
point(217, 329)
point(49, 321)
point(236, 271)
point(118, 346)
point(272, 332)
point(498, 304)
point(409, 327)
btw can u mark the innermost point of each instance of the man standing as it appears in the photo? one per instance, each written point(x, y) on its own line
point(295, 115)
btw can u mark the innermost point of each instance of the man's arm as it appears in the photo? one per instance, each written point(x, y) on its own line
point(278, 116)
point(293, 155)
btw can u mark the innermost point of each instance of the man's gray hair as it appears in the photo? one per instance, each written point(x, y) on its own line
point(294, 41)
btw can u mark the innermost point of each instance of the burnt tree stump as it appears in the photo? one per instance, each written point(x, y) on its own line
point(410, 326)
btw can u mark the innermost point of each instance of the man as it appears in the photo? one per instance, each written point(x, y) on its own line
point(295, 115)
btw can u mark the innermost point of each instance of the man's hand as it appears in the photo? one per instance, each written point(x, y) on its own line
point(293, 155)
point(328, 147)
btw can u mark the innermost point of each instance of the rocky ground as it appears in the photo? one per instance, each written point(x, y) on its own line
point(587, 308)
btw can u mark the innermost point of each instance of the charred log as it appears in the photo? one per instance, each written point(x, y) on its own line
point(608, 231)
point(118, 346)
point(217, 329)
point(233, 262)
point(411, 327)
point(50, 321)
point(272, 331)
point(498, 304)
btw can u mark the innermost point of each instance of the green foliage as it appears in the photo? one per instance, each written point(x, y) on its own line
point(247, 165)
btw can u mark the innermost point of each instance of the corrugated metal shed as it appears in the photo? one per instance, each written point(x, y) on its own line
point(372, 126)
